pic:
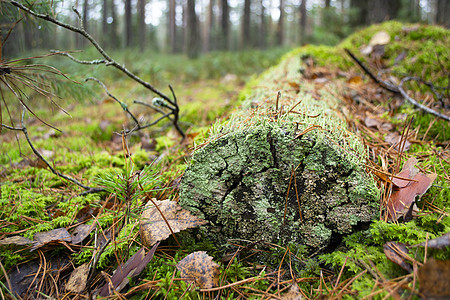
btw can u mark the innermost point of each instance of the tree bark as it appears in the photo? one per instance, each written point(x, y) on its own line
point(114, 38)
point(245, 42)
point(225, 25)
point(105, 23)
point(128, 24)
point(262, 30)
point(280, 27)
point(361, 16)
point(383, 10)
point(303, 22)
point(142, 39)
point(172, 29)
point(85, 18)
point(208, 27)
point(443, 13)
point(192, 30)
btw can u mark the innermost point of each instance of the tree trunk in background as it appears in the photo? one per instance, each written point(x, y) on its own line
point(141, 10)
point(193, 41)
point(245, 42)
point(303, 22)
point(128, 24)
point(172, 27)
point(85, 19)
point(114, 38)
point(280, 27)
point(28, 33)
point(383, 10)
point(262, 30)
point(361, 15)
point(443, 13)
point(225, 25)
point(327, 3)
point(208, 27)
point(104, 35)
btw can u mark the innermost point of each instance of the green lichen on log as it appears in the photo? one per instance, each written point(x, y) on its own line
point(259, 178)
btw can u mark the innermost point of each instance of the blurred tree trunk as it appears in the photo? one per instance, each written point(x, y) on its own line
point(245, 42)
point(85, 19)
point(128, 24)
point(382, 10)
point(443, 13)
point(28, 33)
point(114, 38)
point(208, 27)
point(141, 10)
point(225, 25)
point(361, 16)
point(262, 30)
point(193, 37)
point(303, 22)
point(104, 35)
point(327, 3)
point(172, 26)
point(280, 27)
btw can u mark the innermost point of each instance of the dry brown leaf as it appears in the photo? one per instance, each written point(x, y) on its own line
point(409, 171)
point(394, 138)
point(52, 236)
point(293, 293)
point(78, 278)
point(355, 80)
point(16, 240)
point(437, 243)
point(81, 232)
point(405, 191)
point(433, 279)
point(153, 227)
point(200, 268)
point(397, 253)
point(133, 267)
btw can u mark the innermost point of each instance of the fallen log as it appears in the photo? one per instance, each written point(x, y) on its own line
point(283, 169)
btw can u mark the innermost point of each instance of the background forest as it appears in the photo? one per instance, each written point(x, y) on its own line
point(199, 26)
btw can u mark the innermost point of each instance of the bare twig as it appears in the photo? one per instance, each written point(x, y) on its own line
point(414, 102)
point(39, 155)
point(108, 60)
point(399, 88)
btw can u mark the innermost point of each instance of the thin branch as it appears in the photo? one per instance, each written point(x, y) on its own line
point(414, 102)
point(82, 62)
point(108, 59)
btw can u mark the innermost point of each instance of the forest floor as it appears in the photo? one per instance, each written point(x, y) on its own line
point(57, 242)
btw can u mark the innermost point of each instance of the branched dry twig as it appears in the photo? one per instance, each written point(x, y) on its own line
point(399, 88)
point(88, 189)
point(109, 61)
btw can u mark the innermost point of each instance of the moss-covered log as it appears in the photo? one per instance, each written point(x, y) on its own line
point(275, 171)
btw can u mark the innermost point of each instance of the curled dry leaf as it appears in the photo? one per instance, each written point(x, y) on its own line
point(16, 240)
point(200, 268)
point(78, 278)
point(437, 243)
point(133, 267)
point(433, 279)
point(293, 293)
point(53, 236)
point(153, 227)
point(405, 191)
point(398, 254)
point(81, 232)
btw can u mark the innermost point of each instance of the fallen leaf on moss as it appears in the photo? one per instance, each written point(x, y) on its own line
point(53, 236)
point(81, 232)
point(200, 268)
point(78, 278)
point(398, 254)
point(133, 267)
point(433, 279)
point(437, 243)
point(405, 191)
point(154, 228)
point(293, 293)
point(16, 240)
point(394, 138)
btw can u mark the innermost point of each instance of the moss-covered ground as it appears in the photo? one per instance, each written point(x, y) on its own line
point(89, 147)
